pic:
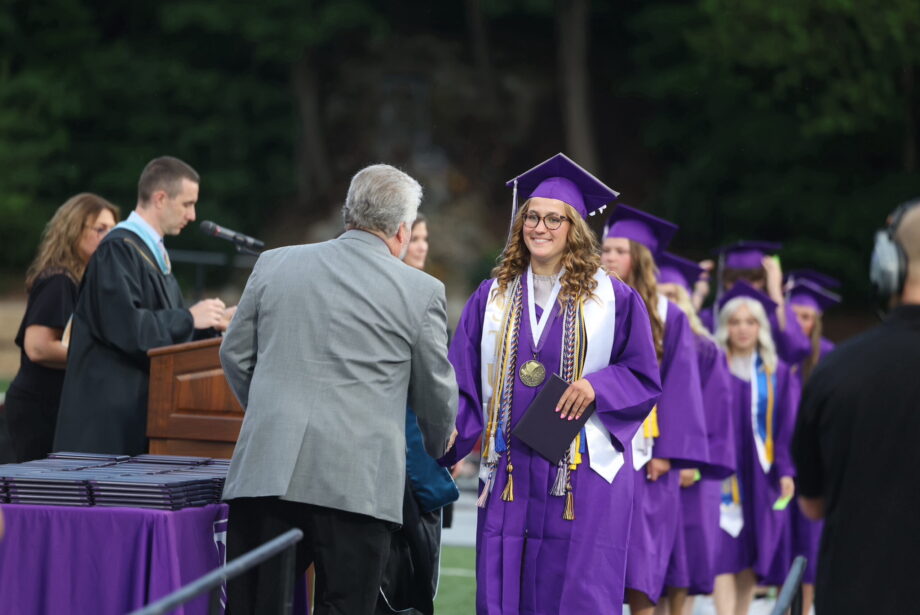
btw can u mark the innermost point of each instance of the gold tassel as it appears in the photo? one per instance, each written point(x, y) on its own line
point(569, 513)
point(508, 493)
point(768, 445)
point(650, 425)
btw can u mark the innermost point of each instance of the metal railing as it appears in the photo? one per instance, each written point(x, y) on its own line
point(790, 596)
point(214, 580)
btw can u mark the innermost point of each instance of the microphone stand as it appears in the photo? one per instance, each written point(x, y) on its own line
point(245, 250)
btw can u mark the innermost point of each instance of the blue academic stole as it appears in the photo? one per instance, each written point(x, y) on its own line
point(144, 234)
point(763, 400)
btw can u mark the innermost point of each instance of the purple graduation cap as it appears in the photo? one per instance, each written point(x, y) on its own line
point(562, 178)
point(673, 269)
point(743, 289)
point(631, 223)
point(808, 294)
point(747, 254)
point(815, 277)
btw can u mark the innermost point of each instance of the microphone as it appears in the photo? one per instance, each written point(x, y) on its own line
point(241, 241)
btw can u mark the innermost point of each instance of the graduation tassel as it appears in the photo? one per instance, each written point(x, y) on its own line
point(484, 496)
point(492, 455)
point(559, 484)
point(508, 493)
point(569, 513)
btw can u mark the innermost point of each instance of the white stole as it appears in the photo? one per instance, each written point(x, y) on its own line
point(644, 447)
point(600, 321)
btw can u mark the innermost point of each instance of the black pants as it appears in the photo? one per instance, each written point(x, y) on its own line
point(348, 550)
point(31, 418)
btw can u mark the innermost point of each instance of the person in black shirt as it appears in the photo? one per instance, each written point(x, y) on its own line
point(857, 452)
point(68, 241)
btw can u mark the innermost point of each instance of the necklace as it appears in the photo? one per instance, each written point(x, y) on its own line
point(532, 372)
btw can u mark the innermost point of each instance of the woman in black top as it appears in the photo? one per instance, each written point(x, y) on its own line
point(67, 243)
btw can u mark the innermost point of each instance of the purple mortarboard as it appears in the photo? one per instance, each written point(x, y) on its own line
point(807, 293)
point(743, 289)
point(631, 223)
point(816, 277)
point(562, 178)
point(673, 269)
point(747, 254)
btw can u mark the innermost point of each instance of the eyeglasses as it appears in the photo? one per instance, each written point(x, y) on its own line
point(552, 222)
point(100, 231)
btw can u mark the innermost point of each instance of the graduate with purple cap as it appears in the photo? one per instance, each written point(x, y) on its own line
point(551, 538)
point(691, 570)
point(754, 262)
point(755, 542)
point(674, 436)
point(810, 298)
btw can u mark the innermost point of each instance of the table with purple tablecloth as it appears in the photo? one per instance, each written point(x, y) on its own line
point(100, 561)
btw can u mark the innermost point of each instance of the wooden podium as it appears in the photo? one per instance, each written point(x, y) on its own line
point(191, 410)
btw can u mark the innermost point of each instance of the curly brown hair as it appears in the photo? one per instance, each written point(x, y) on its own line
point(59, 247)
point(643, 277)
point(581, 258)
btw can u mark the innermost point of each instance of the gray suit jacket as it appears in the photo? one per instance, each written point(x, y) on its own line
point(328, 343)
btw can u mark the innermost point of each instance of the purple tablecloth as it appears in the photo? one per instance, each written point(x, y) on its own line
point(101, 561)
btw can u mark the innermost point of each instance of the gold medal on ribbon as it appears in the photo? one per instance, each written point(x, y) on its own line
point(532, 373)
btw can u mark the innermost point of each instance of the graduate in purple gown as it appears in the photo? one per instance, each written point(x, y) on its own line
point(755, 543)
point(691, 570)
point(551, 538)
point(809, 296)
point(674, 436)
point(753, 262)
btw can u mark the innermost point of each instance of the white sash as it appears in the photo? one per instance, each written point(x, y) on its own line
point(600, 319)
point(731, 517)
point(644, 447)
point(537, 326)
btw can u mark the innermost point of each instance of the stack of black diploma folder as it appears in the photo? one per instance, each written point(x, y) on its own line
point(145, 481)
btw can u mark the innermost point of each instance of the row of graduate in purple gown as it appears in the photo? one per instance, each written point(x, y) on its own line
point(647, 502)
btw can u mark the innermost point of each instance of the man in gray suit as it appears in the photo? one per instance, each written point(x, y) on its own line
point(328, 344)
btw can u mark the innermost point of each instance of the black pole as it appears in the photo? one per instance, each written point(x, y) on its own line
point(286, 582)
point(797, 602)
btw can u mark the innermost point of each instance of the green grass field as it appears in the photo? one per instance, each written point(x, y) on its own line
point(457, 588)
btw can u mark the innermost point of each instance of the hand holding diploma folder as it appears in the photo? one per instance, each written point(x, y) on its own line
point(541, 427)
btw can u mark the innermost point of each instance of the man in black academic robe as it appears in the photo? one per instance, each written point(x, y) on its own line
point(129, 303)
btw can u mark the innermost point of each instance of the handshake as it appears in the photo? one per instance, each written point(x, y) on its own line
point(212, 313)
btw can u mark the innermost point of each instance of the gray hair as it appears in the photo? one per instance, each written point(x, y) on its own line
point(380, 198)
point(765, 346)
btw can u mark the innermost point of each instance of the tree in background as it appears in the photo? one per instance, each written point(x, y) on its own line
point(790, 121)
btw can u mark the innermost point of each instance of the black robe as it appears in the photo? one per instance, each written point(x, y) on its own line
point(126, 307)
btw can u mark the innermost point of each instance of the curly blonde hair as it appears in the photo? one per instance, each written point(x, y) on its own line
point(643, 277)
point(59, 248)
point(581, 258)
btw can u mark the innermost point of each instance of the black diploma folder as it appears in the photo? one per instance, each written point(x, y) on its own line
point(541, 428)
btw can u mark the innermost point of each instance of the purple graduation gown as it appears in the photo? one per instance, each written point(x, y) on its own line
point(529, 560)
point(764, 543)
point(792, 345)
point(682, 440)
point(693, 563)
point(806, 534)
